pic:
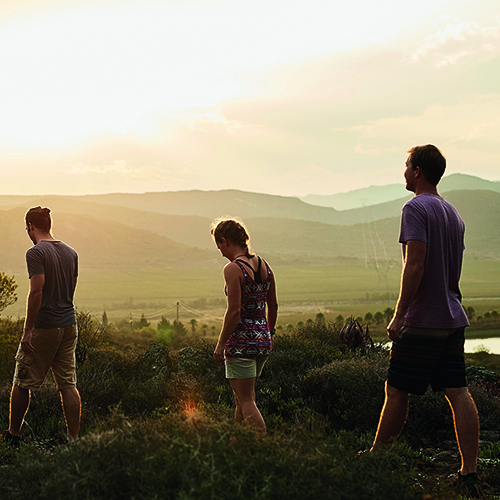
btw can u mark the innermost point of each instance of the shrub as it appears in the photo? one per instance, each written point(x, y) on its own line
point(90, 335)
point(200, 458)
point(349, 392)
point(10, 335)
point(135, 382)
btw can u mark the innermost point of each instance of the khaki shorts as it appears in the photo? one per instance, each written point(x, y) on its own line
point(243, 368)
point(55, 350)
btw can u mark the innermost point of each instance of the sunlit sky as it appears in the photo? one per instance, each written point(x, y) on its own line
point(282, 97)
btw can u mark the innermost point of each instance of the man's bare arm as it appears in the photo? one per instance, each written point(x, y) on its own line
point(32, 307)
point(413, 270)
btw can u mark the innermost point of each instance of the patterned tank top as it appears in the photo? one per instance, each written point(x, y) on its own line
point(251, 337)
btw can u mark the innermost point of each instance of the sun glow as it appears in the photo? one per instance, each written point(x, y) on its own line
point(147, 95)
point(79, 70)
point(71, 74)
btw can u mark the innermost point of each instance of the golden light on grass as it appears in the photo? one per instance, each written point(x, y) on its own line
point(190, 409)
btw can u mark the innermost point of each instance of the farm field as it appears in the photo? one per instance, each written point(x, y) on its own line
point(348, 287)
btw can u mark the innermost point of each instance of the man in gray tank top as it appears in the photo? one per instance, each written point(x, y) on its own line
point(50, 334)
point(428, 325)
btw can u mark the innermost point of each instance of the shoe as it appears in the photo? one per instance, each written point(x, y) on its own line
point(10, 440)
point(467, 484)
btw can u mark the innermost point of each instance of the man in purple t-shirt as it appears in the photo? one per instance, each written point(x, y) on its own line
point(428, 325)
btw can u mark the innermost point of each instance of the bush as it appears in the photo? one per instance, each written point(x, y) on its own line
point(91, 335)
point(350, 393)
point(138, 383)
point(10, 335)
point(199, 458)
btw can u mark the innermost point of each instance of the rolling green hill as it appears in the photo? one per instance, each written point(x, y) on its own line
point(101, 244)
point(214, 204)
point(150, 256)
point(103, 234)
point(374, 195)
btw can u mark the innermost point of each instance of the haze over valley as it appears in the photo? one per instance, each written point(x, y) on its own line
point(119, 235)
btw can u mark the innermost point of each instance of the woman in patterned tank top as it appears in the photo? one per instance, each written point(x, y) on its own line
point(245, 340)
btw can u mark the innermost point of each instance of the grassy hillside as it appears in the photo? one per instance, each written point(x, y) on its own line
point(285, 238)
point(481, 213)
point(213, 204)
point(374, 195)
point(101, 244)
point(157, 422)
point(103, 235)
point(189, 230)
point(144, 210)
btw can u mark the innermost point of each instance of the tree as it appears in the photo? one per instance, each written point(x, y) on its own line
point(164, 324)
point(368, 317)
point(193, 324)
point(388, 314)
point(378, 317)
point(8, 288)
point(320, 318)
point(179, 328)
point(143, 322)
point(339, 319)
point(469, 311)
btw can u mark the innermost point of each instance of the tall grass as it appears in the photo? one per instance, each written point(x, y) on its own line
point(158, 424)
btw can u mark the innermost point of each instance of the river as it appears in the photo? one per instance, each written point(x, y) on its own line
point(492, 345)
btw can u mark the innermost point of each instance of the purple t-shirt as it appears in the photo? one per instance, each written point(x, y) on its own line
point(437, 302)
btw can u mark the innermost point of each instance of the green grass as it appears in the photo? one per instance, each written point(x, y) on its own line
point(206, 458)
point(157, 423)
point(340, 289)
point(480, 279)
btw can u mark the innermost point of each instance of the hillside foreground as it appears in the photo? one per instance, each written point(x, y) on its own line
point(157, 423)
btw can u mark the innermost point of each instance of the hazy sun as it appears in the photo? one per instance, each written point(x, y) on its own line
point(84, 69)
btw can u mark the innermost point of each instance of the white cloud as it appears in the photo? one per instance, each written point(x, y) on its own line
point(195, 120)
point(467, 133)
point(118, 166)
point(457, 40)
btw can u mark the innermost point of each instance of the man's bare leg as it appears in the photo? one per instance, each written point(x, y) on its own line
point(466, 422)
point(71, 403)
point(19, 404)
point(392, 417)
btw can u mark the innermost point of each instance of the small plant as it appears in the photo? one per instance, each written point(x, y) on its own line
point(90, 335)
point(353, 336)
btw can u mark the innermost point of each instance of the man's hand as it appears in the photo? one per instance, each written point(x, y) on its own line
point(394, 328)
point(26, 345)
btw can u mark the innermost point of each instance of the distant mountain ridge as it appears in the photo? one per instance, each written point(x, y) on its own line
point(375, 195)
point(119, 237)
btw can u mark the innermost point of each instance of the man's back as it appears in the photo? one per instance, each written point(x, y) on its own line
point(58, 262)
point(437, 303)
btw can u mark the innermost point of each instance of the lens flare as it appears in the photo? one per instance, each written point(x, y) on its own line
point(190, 409)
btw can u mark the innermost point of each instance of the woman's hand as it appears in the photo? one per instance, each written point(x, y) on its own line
point(219, 354)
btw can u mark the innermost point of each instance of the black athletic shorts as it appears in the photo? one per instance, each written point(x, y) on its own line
point(426, 356)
